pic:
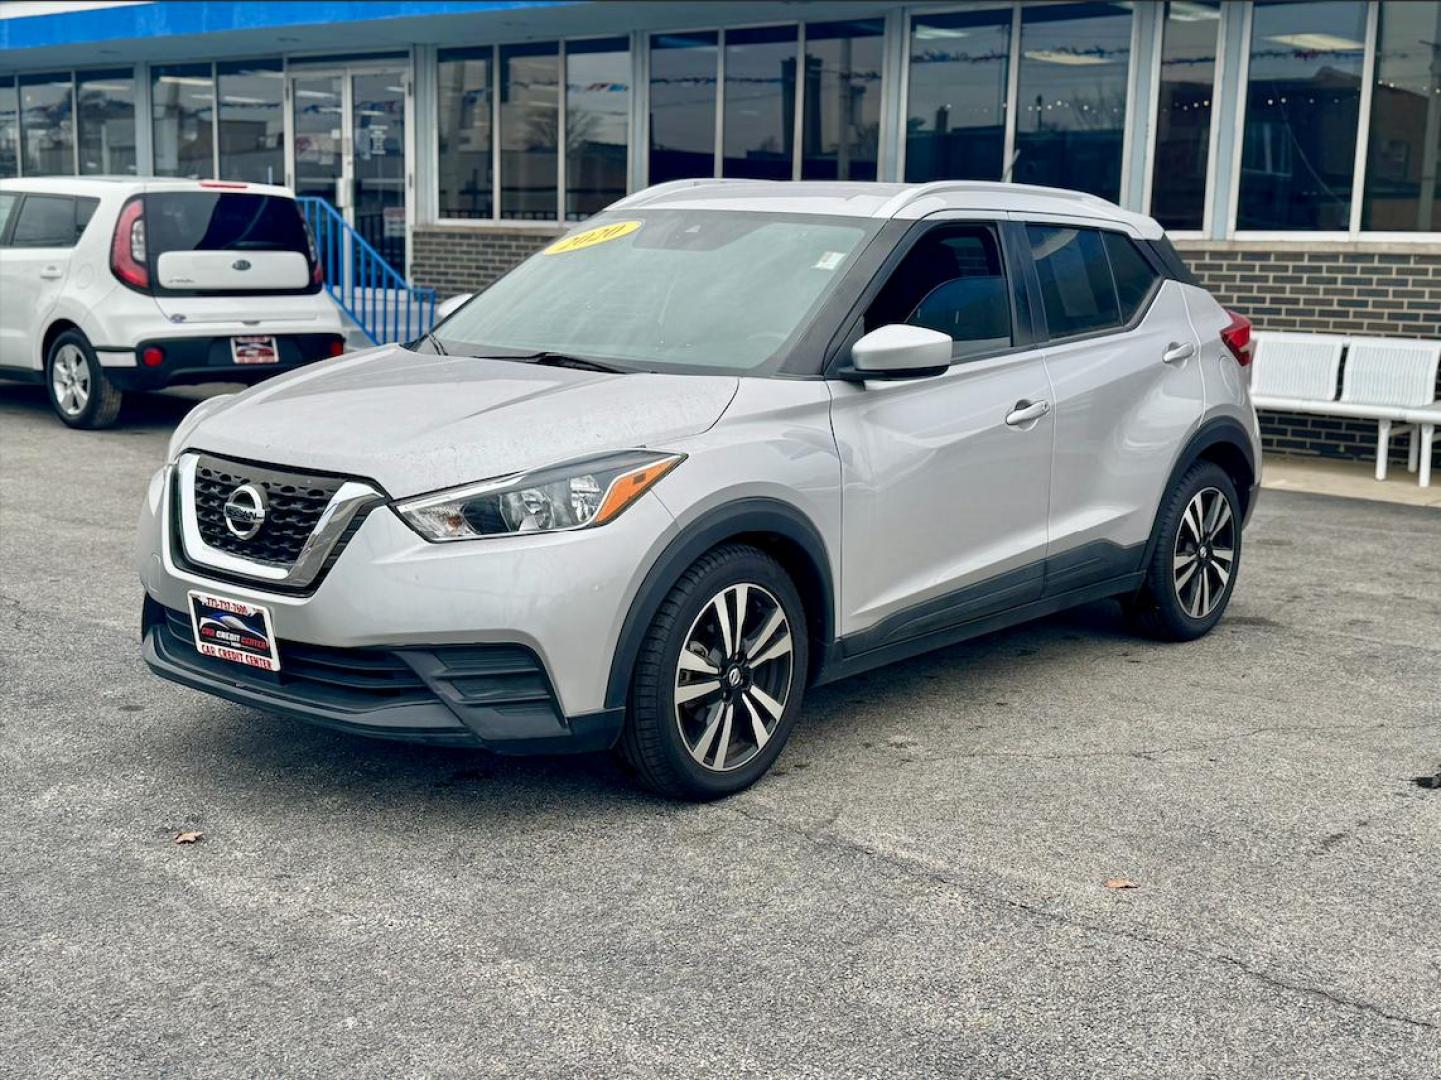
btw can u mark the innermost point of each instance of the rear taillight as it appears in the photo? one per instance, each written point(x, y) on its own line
point(1237, 338)
point(317, 272)
point(337, 347)
point(128, 259)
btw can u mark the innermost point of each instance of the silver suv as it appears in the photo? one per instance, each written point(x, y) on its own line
point(721, 443)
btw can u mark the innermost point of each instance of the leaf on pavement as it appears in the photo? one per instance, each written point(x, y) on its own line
point(1121, 883)
point(189, 837)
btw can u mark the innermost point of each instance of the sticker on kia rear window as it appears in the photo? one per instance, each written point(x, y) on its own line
point(590, 237)
point(233, 631)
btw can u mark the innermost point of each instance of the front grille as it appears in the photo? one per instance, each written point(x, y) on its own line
point(295, 502)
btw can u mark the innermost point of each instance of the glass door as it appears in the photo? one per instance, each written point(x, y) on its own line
point(351, 150)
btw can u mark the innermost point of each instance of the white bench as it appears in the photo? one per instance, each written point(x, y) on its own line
point(1389, 380)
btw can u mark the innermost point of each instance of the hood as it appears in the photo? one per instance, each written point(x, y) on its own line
point(415, 422)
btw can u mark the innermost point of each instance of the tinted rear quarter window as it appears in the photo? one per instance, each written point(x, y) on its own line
point(1134, 275)
point(206, 221)
point(1076, 287)
point(45, 221)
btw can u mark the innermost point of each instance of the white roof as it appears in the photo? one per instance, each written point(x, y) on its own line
point(879, 200)
point(127, 185)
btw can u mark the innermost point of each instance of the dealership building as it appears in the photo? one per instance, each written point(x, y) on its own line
point(1291, 148)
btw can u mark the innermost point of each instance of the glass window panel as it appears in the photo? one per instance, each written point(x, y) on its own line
point(182, 109)
point(1403, 173)
point(1076, 286)
point(8, 201)
point(1133, 275)
point(529, 130)
point(1072, 111)
point(956, 105)
point(760, 103)
point(464, 107)
point(106, 122)
point(597, 124)
point(45, 221)
point(842, 101)
point(1189, 39)
point(47, 125)
point(9, 129)
point(252, 121)
point(682, 106)
point(1303, 99)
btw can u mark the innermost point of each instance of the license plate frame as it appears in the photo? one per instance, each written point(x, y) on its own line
point(226, 629)
point(251, 349)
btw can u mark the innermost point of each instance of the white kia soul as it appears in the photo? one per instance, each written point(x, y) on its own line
point(116, 284)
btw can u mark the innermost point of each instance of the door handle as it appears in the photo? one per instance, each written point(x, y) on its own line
point(1176, 352)
point(1027, 411)
point(50, 273)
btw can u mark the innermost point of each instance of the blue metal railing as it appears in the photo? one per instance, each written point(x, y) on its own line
point(383, 304)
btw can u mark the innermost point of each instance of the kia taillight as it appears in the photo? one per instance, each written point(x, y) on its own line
point(317, 272)
point(1237, 338)
point(128, 259)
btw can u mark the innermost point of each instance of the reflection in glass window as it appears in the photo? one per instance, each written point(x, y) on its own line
point(9, 129)
point(682, 106)
point(1189, 38)
point(182, 110)
point(1403, 160)
point(760, 103)
point(529, 130)
point(252, 121)
point(597, 124)
point(463, 105)
point(842, 101)
point(47, 119)
point(956, 109)
point(1303, 99)
point(1077, 290)
point(1071, 116)
point(106, 108)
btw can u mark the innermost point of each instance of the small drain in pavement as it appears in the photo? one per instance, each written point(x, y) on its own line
point(1431, 783)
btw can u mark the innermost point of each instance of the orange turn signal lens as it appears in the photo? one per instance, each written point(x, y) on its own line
point(630, 486)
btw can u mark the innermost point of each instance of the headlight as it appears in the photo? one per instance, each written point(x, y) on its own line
point(578, 495)
point(190, 420)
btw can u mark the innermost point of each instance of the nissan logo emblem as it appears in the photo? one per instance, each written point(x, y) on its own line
point(245, 511)
point(240, 264)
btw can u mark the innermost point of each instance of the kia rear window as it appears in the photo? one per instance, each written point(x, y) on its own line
point(215, 221)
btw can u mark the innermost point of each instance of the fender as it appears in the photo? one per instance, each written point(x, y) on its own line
point(753, 515)
point(1216, 431)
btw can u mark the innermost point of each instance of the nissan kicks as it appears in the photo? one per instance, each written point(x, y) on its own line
point(721, 443)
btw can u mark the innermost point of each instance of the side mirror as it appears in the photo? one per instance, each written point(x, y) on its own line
point(899, 351)
point(450, 305)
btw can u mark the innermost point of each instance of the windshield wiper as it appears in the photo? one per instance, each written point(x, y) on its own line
point(557, 359)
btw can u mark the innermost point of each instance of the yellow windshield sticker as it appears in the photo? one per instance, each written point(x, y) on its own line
point(590, 237)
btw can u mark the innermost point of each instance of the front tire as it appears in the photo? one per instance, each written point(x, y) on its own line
point(1196, 555)
point(719, 679)
point(80, 393)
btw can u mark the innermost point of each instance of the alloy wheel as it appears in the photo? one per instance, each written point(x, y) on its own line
point(733, 677)
point(70, 380)
point(1204, 557)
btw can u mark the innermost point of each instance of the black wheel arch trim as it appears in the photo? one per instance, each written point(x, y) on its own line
point(716, 526)
point(1214, 432)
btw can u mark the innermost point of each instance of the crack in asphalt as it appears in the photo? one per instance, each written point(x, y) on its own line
point(917, 869)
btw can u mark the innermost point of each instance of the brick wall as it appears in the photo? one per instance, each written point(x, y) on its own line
point(1379, 290)
point(1386, 290)
point(467, 258)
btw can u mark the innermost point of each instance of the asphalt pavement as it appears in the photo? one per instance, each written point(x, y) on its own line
point(917, 891)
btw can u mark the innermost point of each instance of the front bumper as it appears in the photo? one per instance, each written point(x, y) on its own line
point(443, 619)
point(208, 359)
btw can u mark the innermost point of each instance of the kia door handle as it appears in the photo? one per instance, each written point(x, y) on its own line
point(1176, 352)
point(50, 273)
point(1027, 411)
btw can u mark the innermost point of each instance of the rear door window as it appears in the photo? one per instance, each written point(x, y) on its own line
point(216, 221)
point(45, 221)
point(952, 281)
point(1076, 287)
point(8, 201)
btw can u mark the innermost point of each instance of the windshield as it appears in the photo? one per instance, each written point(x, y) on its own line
point(205, 221)
point(665, 290)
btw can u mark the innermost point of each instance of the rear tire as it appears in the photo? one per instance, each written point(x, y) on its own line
point(1195, 558)
point(80, 393)
point(719, 679)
